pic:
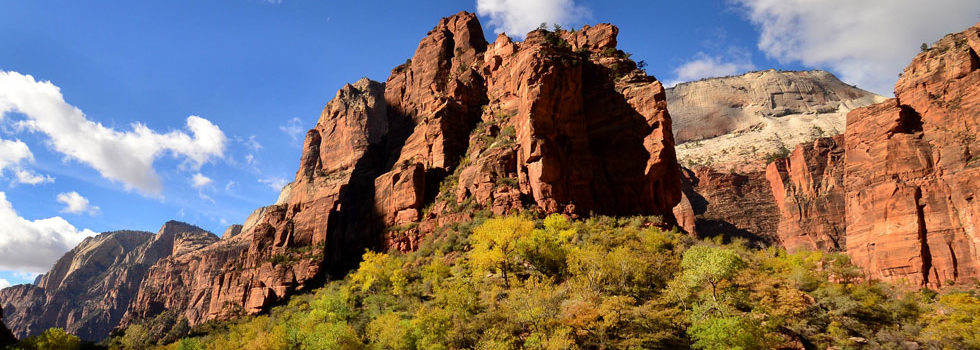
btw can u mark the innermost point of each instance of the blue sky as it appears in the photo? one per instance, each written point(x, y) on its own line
point(196, 110)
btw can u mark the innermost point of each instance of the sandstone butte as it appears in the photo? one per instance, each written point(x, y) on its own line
point(562, 122)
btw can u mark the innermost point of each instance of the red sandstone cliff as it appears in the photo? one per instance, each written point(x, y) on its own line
point(913, 171)
point(463, 125)
point(808, 190)
point(729, 204)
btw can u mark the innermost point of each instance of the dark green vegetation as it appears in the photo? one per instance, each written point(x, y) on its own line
point(602, 283)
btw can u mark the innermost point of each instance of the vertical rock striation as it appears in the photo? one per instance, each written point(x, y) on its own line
point(808, 188)
point(730, 204)
point(913, 171)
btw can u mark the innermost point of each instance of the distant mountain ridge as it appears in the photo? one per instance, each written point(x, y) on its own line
point(90, 287)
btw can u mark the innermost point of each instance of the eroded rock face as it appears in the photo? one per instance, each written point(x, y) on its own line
point(282, 247)
point(463, 126)
point(735, 122)
point(808, 188)
point(89, 289)
point(729, 204)
point(582, 129)
point(913, 171)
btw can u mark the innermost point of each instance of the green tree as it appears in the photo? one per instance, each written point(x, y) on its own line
point(190, 344)
point(389, 331)
point(711, 265)
point(725, 333)
point(136, 337)
point(52, 339)
point(956, 322)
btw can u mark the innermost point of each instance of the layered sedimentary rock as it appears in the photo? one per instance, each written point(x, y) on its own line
point(462, 125)
point(89, 289)
point(283, 246)
point(808, 189)
point(572, 126)
point(738, 121)
point(729, 204)
point(913, 171)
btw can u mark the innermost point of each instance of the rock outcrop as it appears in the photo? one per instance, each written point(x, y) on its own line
point(464, 125)
point(808, 189)
point(90, 288)
point(729, 204)
point(912, 171)
point(736, 122)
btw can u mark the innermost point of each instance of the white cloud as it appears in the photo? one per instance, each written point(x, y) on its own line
point(124, 156)
point(517, 17)
point(31, 178)
point(705, 66)
point(33, 246)
point(4, 283)
point(199, 180)
point(76, 204)
point(13, 155)
point(230, 185)
point(866, 43)
point(276, 183)
point(294, 128)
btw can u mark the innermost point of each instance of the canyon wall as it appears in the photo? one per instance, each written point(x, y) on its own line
point(912, 170)
point(463, 126)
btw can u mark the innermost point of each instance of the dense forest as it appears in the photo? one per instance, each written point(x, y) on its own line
point(520, 282)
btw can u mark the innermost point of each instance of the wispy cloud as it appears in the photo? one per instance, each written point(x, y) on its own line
point(865, 42)
point(124, 156)
point(275, 183)
point(294, 128)
point(517, 17)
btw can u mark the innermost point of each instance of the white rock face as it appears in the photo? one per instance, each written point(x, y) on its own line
point(737, 121)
